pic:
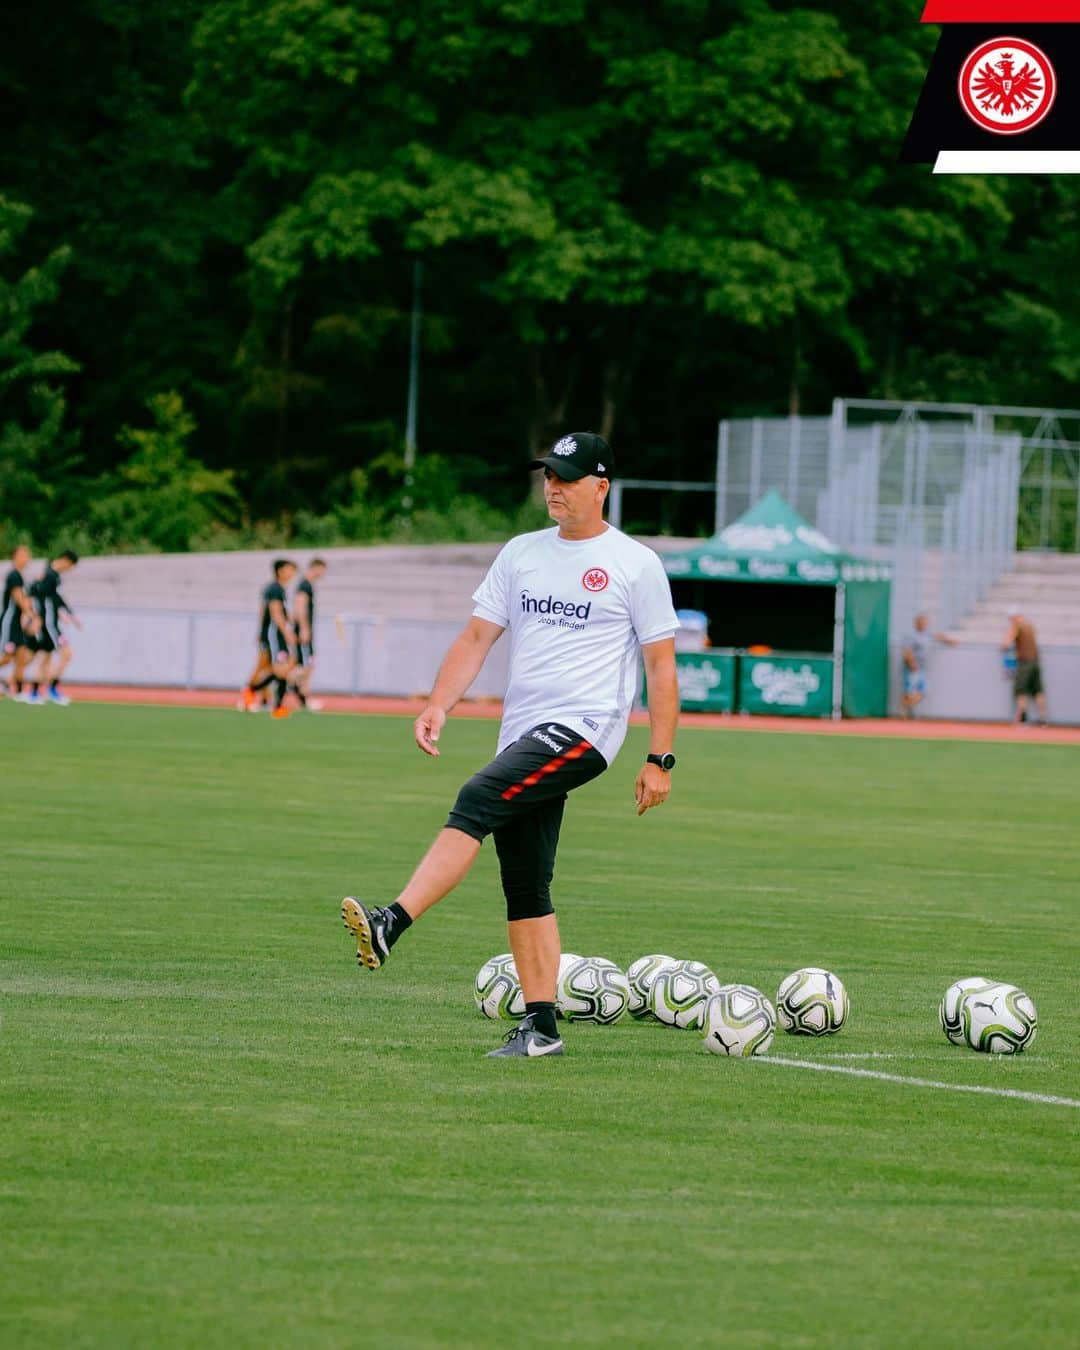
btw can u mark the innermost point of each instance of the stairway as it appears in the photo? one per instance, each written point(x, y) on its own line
point(1045, 587)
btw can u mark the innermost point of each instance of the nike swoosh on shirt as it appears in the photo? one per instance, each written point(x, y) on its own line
point(533, 1049)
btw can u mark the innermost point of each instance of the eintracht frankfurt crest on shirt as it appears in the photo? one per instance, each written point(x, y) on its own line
point(1000, 99)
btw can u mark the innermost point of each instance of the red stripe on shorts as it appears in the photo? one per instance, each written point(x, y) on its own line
point(552, 766)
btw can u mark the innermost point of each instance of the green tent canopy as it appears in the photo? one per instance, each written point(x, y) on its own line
point(772, 542)
point(771, 545)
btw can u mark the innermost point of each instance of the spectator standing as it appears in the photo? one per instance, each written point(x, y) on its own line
point(1027, 681)
point(915, 656)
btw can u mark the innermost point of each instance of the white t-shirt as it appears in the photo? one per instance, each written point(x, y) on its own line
point(578, 611)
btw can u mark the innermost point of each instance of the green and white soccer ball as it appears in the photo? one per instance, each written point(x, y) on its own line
point(1001, 1020)
point(812, 1002)
point(640, 975)
point(679, 992)
point(592, 989)
point(498, 991)
point(952, 1023)
point(739, 1020)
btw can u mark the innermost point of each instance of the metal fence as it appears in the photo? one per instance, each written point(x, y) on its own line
point(946, 492)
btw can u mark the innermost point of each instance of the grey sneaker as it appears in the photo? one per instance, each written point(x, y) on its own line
point(368, 926)
point(526, 1040)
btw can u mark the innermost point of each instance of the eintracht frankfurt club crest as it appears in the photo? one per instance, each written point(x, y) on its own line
point(1007, 85)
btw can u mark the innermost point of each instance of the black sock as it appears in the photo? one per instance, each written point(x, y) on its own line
point(262, 684)
point(35, 688)
point(397, 920)
point(299, 694)
point(54, 686)
point(543, 1018)
point(279, 692)
point(18, 686)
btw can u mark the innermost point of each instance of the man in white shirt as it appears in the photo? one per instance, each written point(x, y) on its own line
point(580, 602)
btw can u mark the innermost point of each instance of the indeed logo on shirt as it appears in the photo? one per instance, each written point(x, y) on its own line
point(531, 604)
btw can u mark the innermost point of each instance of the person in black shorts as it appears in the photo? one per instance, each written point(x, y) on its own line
point(584, 603)
point(18, 619)
point(303, 614)
point(52, 651)
point(277, 641)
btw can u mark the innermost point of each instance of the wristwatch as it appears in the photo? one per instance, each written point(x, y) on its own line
point(665, 761)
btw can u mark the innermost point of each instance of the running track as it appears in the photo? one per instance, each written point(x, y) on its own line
point(410, 707)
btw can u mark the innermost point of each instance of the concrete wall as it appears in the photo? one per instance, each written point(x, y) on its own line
point(967, 681)
point(400, 656)
point(217, 651)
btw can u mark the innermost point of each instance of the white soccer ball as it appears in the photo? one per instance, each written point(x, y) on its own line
point(1001, 1019)
point(812, 1002)
point(498, 991)
point(952, 1023)
point(592, 989)
point(679, 992)
point(739, 1020)
point(640, 974)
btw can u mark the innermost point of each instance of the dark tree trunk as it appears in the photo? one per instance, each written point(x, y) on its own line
point(550, 400)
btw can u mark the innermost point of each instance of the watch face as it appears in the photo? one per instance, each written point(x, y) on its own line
point(667, 762)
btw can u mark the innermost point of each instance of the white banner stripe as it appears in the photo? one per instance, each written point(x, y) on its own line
point(1007, 161)
point(919, 1082)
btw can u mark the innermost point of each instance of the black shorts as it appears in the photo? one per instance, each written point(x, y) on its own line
point(519, 798)
point(12, 638)
point(1028, 678)
point(305, 654)
point(45, 641)
point(276, 650)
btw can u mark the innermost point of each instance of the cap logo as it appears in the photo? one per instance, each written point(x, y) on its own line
point(566, 446)
point(600, 469)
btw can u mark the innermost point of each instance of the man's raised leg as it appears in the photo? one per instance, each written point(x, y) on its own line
point(444, 866)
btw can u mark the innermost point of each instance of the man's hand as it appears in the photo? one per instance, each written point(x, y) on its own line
point(426, 729)
point(651, 788)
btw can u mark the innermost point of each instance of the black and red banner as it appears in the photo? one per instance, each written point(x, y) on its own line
point(1003, 90)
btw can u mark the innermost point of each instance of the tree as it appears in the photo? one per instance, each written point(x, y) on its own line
point(161, 495)
point(35, 448)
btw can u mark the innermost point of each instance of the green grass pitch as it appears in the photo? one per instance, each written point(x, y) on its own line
point(215, 1130)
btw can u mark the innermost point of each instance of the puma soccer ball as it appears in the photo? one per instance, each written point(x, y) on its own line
point(952, 1023)
point(1001, 1020)
point(679, 992)
point(739, 1020)
point(640, 975)
point(592, 989)
point(812, 1002)
point(498, 992)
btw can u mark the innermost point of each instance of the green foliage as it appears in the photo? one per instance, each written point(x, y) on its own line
point(631, 218)
point(35, 448)
point(161, 497)
point(428, 506)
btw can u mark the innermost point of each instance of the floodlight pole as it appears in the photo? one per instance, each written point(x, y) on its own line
point(414, 385)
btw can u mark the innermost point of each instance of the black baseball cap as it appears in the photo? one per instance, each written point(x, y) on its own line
point(577, 455)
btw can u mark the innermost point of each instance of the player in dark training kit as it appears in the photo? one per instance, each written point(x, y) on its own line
point(276, 642)
point(304, 618)
point(18, 619)
point(53, 652)
point(583, 603)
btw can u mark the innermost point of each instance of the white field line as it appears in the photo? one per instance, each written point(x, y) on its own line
point(1044, 1098)
point(870, 1054)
